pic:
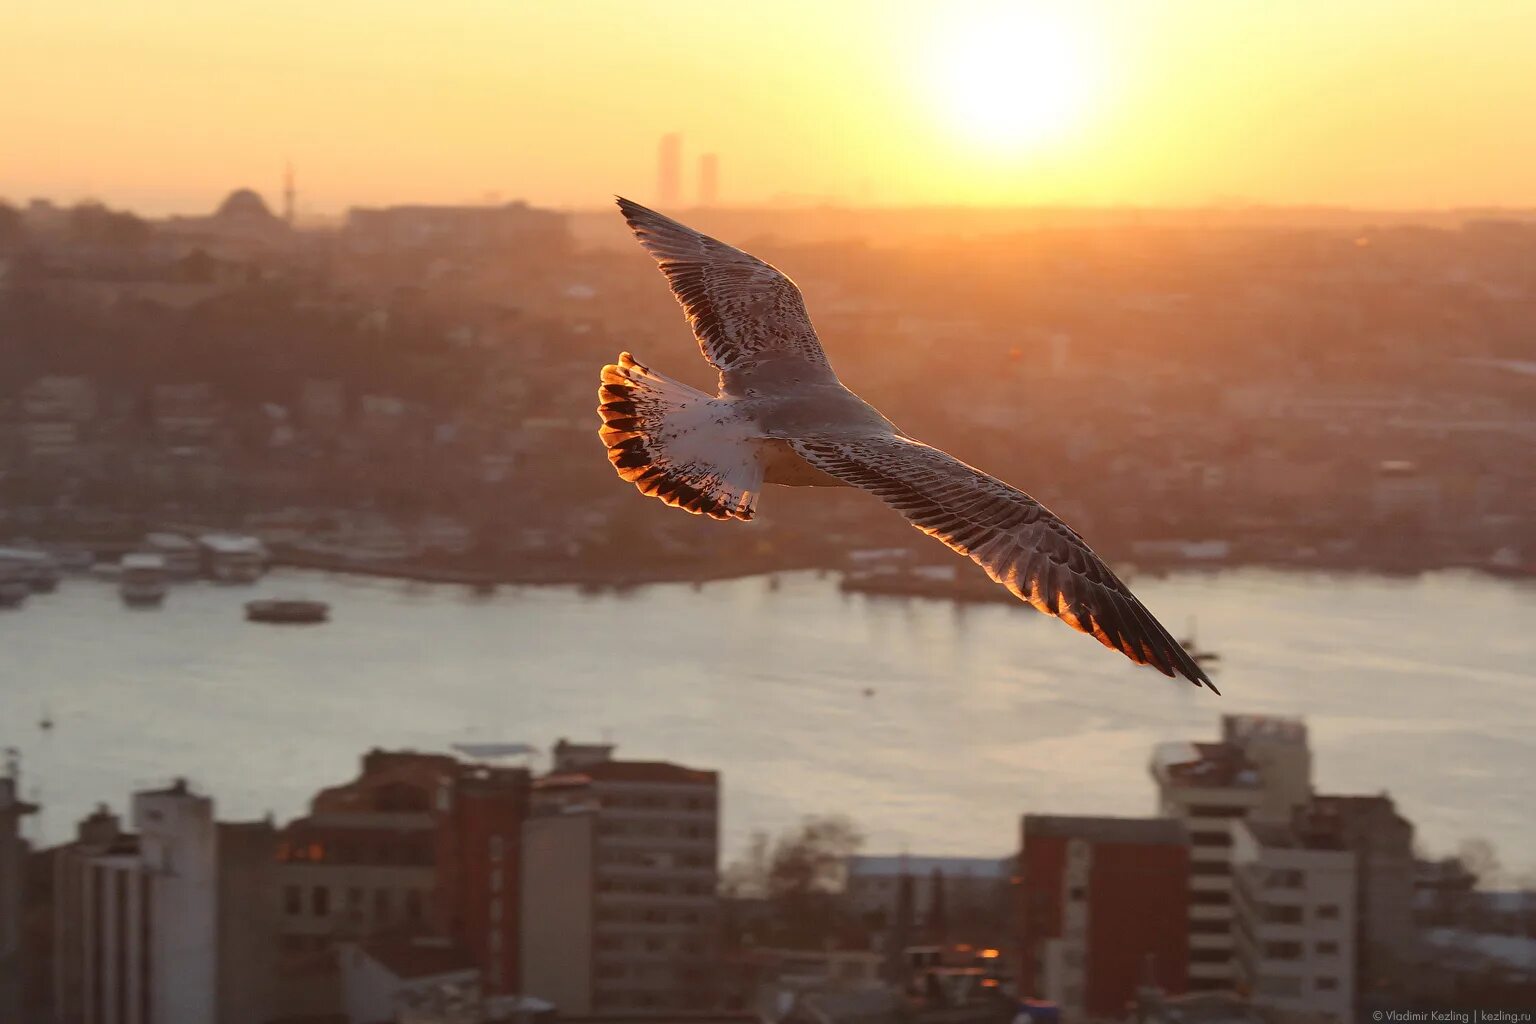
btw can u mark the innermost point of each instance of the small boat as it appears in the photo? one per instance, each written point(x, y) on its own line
point(1202, 658)
point(37, 568)
point(233, 557)
point(287, 612)
point(13, 590)
point(183, 560)
point(142, 582)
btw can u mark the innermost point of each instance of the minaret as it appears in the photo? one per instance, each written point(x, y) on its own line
point(290, 195)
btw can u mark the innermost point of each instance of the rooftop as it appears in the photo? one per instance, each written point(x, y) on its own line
point(1106, 830)
point(663, 772)
point(1241, 729)
point(1218, 765)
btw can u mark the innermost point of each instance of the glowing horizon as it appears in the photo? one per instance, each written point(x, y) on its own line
point(164, 107)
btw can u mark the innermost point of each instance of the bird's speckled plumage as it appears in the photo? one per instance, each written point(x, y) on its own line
point(782, 416)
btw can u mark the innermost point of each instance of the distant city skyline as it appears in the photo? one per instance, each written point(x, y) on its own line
point(1364, 103)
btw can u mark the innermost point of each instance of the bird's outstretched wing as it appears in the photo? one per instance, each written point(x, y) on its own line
point(1017, 540)
point(740, 308)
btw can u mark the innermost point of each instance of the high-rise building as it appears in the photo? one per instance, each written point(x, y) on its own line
point(1381, 840)
point(136, 916)
point(1103, 910)
point(1294, 915)
point(1261, 770)
point(709, 179)
point(669, 169)
point(13, 858)
point(481, 811)
point(620, 911)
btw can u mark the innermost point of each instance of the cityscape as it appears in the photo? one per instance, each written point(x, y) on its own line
point(218, 373)
point(464, 885)
point(342, 682)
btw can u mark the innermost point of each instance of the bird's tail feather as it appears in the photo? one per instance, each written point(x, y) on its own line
point(676, 443)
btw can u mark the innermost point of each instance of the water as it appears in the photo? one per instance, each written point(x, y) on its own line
point(1422, 687)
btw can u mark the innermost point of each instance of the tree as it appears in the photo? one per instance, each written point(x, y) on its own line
point(1480, 859)
point(799, 875)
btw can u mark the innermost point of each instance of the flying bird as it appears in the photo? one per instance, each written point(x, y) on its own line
point(782, 416)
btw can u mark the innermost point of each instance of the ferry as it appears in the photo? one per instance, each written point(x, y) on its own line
point(142, 583)
point(182, 559)
point(287, 612)
point(37, 568)
point(233, 557)
point(14, 586)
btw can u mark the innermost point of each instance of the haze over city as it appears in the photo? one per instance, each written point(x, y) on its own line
point(1373, 103)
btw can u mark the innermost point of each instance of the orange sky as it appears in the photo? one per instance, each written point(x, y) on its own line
point(164, 106)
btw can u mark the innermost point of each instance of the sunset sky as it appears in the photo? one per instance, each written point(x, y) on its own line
point(164, 105)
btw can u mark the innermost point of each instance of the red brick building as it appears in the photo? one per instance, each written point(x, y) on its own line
point(479, 866)
point(1104, 908)
point(418, 844)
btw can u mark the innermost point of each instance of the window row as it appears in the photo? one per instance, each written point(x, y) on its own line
point(354, 902)
point(405, 851)
point(649, 915)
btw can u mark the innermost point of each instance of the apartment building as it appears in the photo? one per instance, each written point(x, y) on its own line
point(1103, 910)
point(1294, 907)
point(1260, 770)
point(619, 885)
point(136, 915)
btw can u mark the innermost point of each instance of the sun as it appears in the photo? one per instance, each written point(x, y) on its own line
point(1012, 79)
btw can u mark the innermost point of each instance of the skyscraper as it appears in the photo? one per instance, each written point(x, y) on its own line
point(709, 179)
point(669, 164)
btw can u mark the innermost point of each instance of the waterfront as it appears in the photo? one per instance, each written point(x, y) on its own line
point(1420, 686)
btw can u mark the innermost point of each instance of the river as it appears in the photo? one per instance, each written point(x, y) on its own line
point(1421, 686)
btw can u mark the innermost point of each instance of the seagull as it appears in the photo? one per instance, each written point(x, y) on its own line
point(782, 416)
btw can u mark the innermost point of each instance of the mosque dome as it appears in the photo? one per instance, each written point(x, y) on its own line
point(244, 204)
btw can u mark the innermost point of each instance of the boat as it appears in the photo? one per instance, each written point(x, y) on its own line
point(1203, 658)
point(38, 569)
point(233, 557)
point(287, 611)
point(14, 587)
point(183, 561)
point(142, 582)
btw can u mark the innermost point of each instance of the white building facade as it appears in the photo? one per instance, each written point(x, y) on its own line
point(1294, 910)
point(145, 909)
point(1261, 770)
